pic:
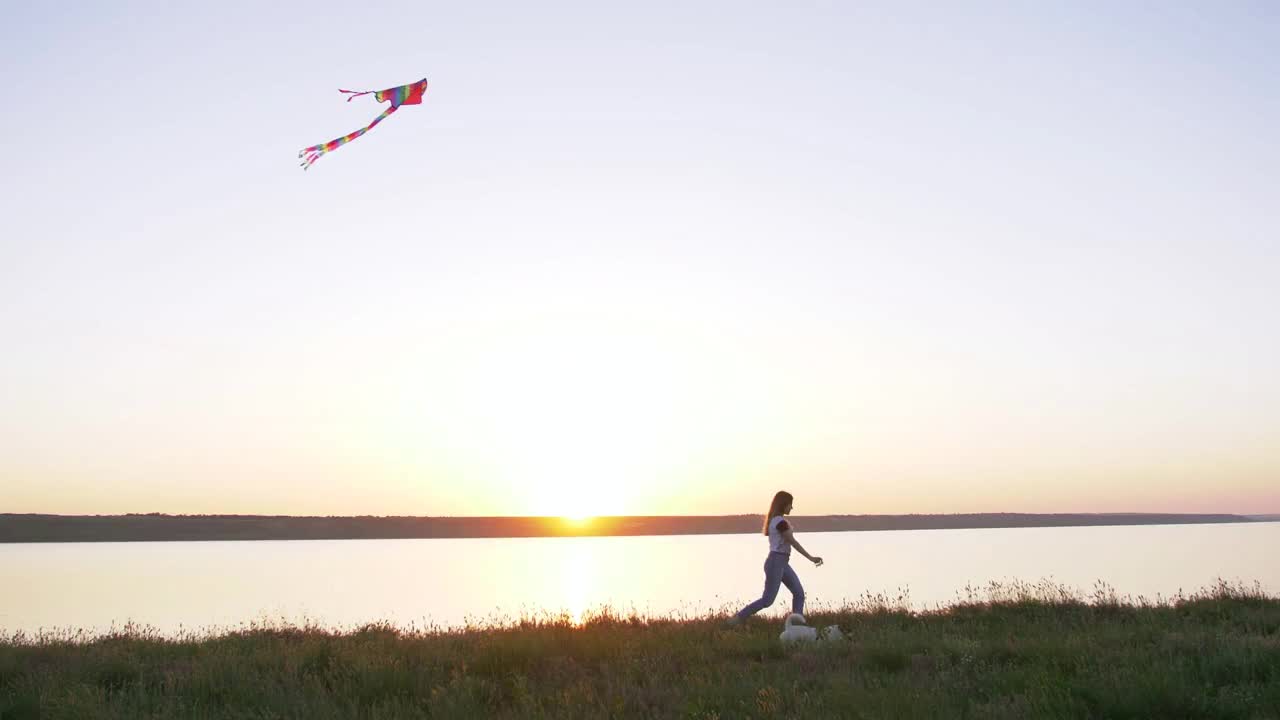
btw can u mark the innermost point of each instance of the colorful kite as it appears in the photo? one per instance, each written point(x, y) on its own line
point(404, 95)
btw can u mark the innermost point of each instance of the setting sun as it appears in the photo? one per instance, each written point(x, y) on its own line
point(556, 416)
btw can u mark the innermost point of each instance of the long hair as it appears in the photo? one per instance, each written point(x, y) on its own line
point(780, 500)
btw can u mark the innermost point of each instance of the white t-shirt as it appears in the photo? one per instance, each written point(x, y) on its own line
point(777, 525)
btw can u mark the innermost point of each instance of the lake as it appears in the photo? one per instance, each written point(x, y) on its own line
point(448, 582)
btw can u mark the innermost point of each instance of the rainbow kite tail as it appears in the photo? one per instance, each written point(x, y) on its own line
point(310, 155)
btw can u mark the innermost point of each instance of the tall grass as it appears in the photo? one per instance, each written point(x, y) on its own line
point(1008, 650)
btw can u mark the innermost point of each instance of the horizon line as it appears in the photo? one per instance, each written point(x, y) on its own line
point(558, 517)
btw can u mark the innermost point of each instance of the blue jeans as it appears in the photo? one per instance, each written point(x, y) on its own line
point(777, 571)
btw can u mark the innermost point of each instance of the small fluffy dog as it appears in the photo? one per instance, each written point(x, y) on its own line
point(795, 631)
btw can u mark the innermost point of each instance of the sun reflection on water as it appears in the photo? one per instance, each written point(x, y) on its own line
point(578, 577)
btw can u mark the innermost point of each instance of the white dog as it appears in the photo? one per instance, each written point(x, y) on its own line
point(795, 631)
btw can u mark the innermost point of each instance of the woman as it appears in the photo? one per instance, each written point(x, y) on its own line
point(777, 566)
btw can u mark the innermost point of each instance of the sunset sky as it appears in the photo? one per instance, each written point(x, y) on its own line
point(640, 258)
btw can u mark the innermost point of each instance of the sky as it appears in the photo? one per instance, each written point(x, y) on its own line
point(640, 258)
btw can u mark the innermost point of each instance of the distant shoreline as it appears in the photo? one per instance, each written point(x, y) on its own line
point(32, 528)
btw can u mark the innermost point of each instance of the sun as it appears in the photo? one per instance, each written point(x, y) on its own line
point(579, 420)
point(576, 433)
point(577, 522)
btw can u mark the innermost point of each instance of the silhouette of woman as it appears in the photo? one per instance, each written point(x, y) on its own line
point(777, 565)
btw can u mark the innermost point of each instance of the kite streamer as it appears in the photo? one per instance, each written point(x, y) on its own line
point(410, 94)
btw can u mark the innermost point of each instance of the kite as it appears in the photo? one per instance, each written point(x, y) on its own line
point(410, 94)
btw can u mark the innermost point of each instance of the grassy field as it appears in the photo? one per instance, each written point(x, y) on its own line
point(1007, 651)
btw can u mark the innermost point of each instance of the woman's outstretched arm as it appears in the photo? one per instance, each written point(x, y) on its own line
point(790, 537)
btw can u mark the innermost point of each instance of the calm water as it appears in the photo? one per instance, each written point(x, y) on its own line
point(200, 585)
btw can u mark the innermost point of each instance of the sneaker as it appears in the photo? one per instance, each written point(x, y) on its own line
point(733, 621)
